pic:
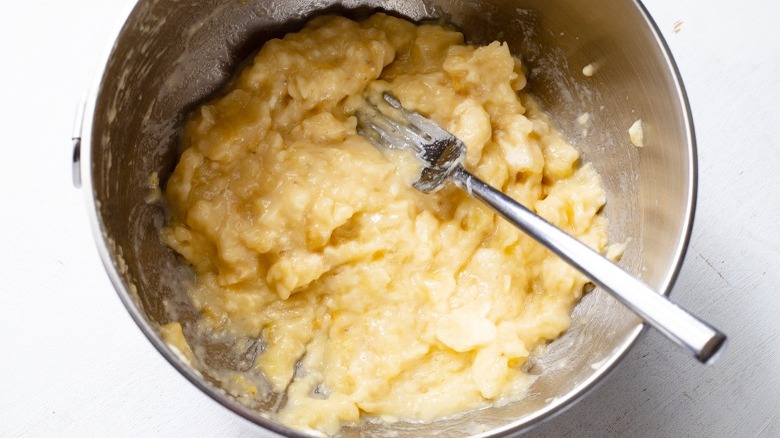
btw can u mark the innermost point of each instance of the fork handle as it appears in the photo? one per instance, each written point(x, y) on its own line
point(698, 337)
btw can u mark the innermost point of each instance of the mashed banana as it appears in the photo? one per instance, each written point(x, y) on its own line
point(397, 304)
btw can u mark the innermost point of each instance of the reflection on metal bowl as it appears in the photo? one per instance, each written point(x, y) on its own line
point(169, 56)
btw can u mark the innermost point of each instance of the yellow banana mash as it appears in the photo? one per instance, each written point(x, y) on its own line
point(397, 304)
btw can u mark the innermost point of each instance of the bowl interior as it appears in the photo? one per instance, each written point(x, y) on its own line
point(171, 55)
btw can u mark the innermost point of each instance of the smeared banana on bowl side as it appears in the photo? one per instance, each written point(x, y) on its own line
point(395, 304)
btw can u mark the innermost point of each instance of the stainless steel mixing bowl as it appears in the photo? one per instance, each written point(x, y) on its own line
point(171, 55)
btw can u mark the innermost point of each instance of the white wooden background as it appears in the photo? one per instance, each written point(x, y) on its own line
point(72, 363)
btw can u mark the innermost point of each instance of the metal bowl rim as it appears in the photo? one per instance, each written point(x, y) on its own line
point(521, 425)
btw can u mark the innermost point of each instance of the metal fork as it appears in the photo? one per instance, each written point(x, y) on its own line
point(442, 155)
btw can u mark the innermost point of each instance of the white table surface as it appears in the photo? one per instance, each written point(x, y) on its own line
point(73, 363)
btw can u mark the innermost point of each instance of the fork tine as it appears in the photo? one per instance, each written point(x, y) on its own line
point(441, 152)
point(429, 127)
point(417, 122)
point(369, 133)
point(372, 120)
point(378, 130)
point(393, 101)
